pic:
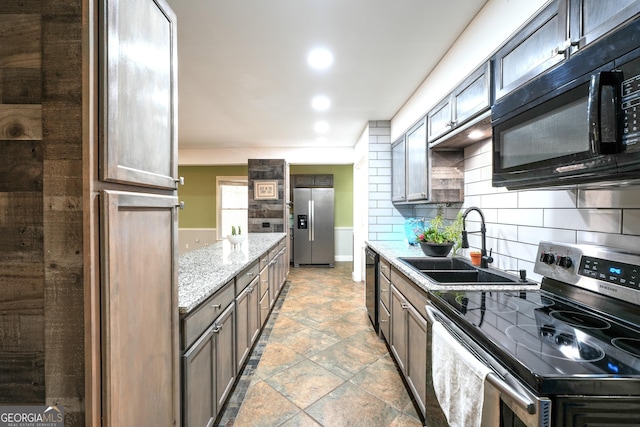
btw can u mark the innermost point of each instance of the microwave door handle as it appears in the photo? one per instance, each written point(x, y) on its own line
point(604, 133)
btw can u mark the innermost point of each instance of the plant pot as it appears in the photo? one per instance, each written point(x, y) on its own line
point(235, 239)
point(436, 249)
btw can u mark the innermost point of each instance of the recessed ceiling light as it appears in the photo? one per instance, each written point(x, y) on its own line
point(320, 58)
point(320, 103)
point(476, 134)
point(321, 127)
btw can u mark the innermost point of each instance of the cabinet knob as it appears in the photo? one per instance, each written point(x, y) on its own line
point(179, 180)
point(215, 306)
point(404, 305)
point(216, 328)
point(180, 205)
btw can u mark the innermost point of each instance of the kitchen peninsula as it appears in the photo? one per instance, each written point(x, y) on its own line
point(225, 295)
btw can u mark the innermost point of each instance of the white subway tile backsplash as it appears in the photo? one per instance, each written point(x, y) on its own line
point(547, 199)
point(533, 235)
point(530, 217)
point(605, 198)
point(379, 163)
point(479, 187)
point(600, 220)
point(379, 179)
point(631, 222)
point(478, 161)
point(506, 200)
point(473, 175)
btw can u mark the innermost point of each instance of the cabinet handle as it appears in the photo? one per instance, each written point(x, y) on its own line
point(179, 180)
point(180, 205)
point(216, 329)
point(383, 321)
point(384, 290)
point(215, 306)
point(404, 305)
point(249, 273)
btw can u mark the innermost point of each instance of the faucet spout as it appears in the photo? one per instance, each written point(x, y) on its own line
point(486, 259)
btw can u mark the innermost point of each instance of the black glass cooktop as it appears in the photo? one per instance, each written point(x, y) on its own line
point(553, 344)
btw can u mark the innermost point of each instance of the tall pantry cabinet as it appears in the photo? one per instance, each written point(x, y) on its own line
point(88, 210)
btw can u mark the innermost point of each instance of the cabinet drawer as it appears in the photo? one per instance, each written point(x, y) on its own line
point(385, 268)
point(413, 294)
point(385, 290)
point(384, 321)
point(247, 275)
point(264, 260)
point(202, 317)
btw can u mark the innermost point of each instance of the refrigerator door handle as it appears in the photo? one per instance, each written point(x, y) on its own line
point(310, 209)
point(313, 222)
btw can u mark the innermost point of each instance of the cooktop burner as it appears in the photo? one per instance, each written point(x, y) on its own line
point(628, 345)
point(580, 320)
point(563, 345)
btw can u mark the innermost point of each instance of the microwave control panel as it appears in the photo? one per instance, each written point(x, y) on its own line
point(630, 103)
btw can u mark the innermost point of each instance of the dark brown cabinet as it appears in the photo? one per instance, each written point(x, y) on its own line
point(466, 106)
point(540, 45)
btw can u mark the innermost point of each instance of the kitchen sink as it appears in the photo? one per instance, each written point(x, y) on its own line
point(432, 263)
point(466, 276)
point(457, 271)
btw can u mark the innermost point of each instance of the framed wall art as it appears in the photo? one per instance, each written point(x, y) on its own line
point(265, 190)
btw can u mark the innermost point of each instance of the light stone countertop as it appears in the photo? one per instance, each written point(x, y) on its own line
point(392, 250)
point(202, 272)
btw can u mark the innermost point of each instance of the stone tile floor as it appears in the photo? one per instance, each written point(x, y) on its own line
point(319, 362)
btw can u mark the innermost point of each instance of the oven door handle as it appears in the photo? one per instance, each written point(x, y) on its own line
point(494, 379)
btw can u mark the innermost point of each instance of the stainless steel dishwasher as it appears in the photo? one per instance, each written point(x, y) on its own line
point(371, 286)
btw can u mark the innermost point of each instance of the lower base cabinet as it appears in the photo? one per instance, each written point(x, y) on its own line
point(407, 336)
point(209, 371)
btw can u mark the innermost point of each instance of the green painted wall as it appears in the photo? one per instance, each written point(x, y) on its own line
point(199, 191)
point(343, 185)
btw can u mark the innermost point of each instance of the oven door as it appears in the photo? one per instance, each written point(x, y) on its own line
point(519, 407)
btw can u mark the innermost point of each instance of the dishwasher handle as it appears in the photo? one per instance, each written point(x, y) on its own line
point(493, 378)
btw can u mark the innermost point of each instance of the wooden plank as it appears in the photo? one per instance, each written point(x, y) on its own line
point(20, 41)
point(20, 122)
point(22, 376)
point(20, 86)
point(20, 166)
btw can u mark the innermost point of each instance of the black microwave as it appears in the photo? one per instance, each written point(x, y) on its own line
point(577, 123)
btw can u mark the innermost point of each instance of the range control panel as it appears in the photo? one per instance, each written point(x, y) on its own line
point(608, 271)
point(618, 273)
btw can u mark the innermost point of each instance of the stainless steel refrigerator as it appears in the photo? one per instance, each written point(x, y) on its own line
point(313, 230)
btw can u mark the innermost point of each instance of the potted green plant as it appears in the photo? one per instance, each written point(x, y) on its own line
point(438, 239)
point(236, 236)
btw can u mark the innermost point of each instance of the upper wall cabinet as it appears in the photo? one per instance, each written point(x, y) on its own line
point(139, 91)
point(416, 164)
point(421, 175)
point(464, 109)
point(538, 46)
point(469, 99)
point(398, 166)
point(591, 19)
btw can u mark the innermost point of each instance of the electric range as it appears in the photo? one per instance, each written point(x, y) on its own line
point(576, 340)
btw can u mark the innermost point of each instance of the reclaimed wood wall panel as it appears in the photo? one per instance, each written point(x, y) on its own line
point(22, 347)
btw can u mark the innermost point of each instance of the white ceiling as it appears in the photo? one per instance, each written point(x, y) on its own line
point(244, 80)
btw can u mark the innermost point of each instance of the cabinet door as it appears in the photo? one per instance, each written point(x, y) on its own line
point(417, 170)
point(398, 167)
point(532, 50)
point(472, 96)
point(439, 119)
point(139, 305)
point(399, 328)
point(225, 368)
point(199, 402)
point(242, 327)
point(385, 321)
point(139, 94)
point(253, 314)
point(590, 19)
point(417, 356)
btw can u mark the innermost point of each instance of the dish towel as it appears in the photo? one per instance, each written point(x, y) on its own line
point(459, 383)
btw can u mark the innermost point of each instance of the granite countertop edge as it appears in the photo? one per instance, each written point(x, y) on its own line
point(204, 271)
point(392, 250)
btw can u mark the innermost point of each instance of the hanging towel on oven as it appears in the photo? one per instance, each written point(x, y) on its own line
point(459, 383)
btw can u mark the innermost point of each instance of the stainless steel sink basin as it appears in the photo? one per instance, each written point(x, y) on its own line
point(438, 263)
point(457, 271)
point(466, 276)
